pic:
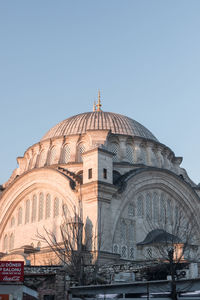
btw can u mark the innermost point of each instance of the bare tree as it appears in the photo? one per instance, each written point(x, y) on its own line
point(72, 249)
point(172, 239)
point(78, 246)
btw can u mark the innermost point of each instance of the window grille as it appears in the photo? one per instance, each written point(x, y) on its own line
point(148, 253)
point(131, 231)
point(169, 211)
point(11, 242)
point(42, 159)
point(19, 216)
point(129, 153)
point(115, 149)
point(116, 249)
point(41, 207)
point(140, 206)
point(48, 206)
point(81, 150)
point(27, 211)
point(124, 252)
point(34, 208)
point(123, 230)
point(66, 154)
point(155, 207)
point(56, 207)
point(148, 207)
point(52, 157)
point(162, 208)
point(131, 253)
point(131, 210)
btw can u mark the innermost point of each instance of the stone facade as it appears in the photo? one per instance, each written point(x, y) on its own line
point(118, 170)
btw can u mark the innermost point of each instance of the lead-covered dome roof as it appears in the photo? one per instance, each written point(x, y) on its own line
point(99, 120)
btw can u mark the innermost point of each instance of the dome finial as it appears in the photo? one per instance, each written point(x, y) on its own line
point(94, 106)
point(99, 102)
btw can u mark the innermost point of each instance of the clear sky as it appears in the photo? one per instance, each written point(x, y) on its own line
point(144, 56)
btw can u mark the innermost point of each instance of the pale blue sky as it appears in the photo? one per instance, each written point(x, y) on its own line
point(144, 56)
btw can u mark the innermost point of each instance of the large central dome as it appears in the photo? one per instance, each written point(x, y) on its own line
point(99, 120)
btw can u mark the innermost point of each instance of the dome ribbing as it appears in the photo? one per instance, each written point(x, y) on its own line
point(118, 124)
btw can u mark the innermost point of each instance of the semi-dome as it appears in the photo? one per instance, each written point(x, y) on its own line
point(99, 120)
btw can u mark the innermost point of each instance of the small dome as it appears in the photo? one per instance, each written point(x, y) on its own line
point(99, 120)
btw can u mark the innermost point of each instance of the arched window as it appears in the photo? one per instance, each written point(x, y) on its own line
point(123, 230)
point(34, 208)
point(42, 159)
point(27, 211)
point(148, 253)
point(64, 210)
point(140, 206)
point(52, 156)
point(38, 245)
point(48, 206)
point(11, 241)
point(114, 148)
point(81, 150)
point(131, 210)
point(129, 153)
point(5, 243)
point(169, 211)
point(19, 216)
point(56, 207)
point(163, 214)
point(41, 207)
point(131, 231)
point(148, 207)
point(155, 207)
point(124, 252)
point(66, 154)
point(12, 222)
point(131, 253)
point(115, 249)
point(32, 245)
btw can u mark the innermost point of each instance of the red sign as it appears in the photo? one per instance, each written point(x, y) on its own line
point(4, 297)
point(12, 271)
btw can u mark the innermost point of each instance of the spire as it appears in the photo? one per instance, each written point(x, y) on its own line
point(94, 106)
point(99, 101)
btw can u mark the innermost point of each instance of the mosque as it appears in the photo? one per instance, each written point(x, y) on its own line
point(119, 171)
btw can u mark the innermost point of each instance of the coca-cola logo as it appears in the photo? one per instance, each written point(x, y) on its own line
point(12, 278)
